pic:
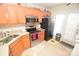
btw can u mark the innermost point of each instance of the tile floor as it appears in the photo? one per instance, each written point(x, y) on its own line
point(48, 48)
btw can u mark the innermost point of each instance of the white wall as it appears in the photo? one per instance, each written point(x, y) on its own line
point(64, 15)
point(33, 5)
point(63, 10)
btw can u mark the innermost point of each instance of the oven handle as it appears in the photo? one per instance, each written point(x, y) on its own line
point(32, 33)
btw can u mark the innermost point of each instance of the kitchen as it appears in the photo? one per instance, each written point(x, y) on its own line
point(24, 26)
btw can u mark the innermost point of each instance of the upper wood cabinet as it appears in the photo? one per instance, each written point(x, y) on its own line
point(28, 11)
point(7, 14)
point(3, 19)
point(11, 14)
point(20, 14)
point(15, 14)
point(26, 41)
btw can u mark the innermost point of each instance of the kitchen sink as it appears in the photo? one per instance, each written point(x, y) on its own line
point(14, 36)
point(9, 38)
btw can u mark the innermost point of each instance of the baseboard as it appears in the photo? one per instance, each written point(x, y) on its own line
point(66, 44)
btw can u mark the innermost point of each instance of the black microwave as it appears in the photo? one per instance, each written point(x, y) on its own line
point(31, 19)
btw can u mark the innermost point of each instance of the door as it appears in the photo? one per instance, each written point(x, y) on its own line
point(28, 11)
point(3, 19)
point(20, 14)
point(11, 11)
point(42, 34)
point(16, 48)
point(26, 41)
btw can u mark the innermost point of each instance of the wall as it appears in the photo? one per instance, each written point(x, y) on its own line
point(32, 5)
point(62, 10)
point(63, 16)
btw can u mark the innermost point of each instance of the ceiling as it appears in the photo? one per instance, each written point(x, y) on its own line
point(46, 5)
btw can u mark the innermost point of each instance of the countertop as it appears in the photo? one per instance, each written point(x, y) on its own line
point(17, 38)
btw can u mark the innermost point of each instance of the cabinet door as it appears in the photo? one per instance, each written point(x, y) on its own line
point(26, 41)
point(16, 48)
point(38, 13)
point(42, 34)
point(3, 19)
point(29, 11)
point(11, 14)
point(20, 14)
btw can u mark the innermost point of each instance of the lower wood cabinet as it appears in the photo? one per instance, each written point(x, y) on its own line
point(42, 34)
point(18, 46)
point(26, 41)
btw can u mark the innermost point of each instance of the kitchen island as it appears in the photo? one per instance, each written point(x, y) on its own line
point(5, 48)
point(17, 45)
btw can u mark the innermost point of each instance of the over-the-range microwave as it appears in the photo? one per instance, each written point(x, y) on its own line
point(31, 19)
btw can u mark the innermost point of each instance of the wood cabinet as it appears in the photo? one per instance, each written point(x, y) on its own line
point(26, 41)
point(20, 14)
point(11, 14)
point(15, 14)
point(7, 14)
point(42, 34)
point(35, 12)
point(3, 19)
point(29, 11)
point(18, 46)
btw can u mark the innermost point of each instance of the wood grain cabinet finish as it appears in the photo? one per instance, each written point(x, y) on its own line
point(18, 46)
point(3, 19)
point(42, 34)
point(14, 14)
point(35, 12)
point(26, 41)
point(29, 11)
point(20, 14)
point(16, 49)
point(11, 14)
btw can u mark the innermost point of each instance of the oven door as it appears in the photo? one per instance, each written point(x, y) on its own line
point(34, 36)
